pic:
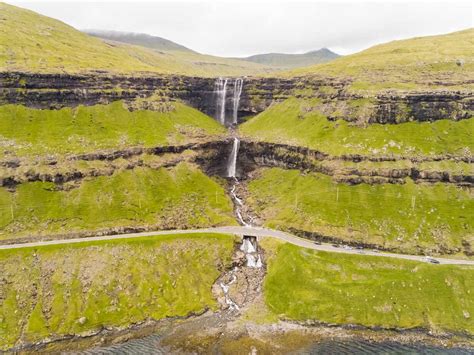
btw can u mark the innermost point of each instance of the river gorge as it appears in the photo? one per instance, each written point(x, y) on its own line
point(161, 201)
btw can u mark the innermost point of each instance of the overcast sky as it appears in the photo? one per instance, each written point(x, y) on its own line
point(243, 28)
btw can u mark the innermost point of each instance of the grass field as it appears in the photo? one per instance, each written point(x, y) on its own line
point(53, 291)
point(26, 131)
point(34, 43)
point(431, 218)
point(180, 197)
point(405, 64)
point(294, 122)
point(304, 284)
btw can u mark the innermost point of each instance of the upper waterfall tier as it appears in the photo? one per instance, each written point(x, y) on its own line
point(221, 100)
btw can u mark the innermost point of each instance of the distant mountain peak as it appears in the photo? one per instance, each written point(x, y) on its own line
point(323, 50)
point(287, 60)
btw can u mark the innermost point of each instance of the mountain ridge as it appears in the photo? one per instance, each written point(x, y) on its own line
point(293, 60)
point(139, 39)
point(275, 59)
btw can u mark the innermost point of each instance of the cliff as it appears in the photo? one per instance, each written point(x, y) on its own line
point(334, 96)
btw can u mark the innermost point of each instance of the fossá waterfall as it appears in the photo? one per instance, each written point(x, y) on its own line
point(221, 96)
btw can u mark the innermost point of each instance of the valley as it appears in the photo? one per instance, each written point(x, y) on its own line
point(146, 190)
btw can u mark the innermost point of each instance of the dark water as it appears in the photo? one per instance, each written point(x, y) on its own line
point(148, 345)
point(360, 347)
point(151, 345)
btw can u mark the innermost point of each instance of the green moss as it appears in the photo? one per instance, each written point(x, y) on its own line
point(409, 217)
point(303, 91)
point(179, 197)
point(295, 122)
point(27, 131)
point(107, 284)
point(304, 284)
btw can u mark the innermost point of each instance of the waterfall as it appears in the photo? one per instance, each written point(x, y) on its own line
point(252, 255)
point(251, 261)
point(221, 88)
point(239, 83)
point(233, 158)
point(247, 247)
point(221, 93)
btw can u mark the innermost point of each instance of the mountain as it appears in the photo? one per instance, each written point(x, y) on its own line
point(140, 39)
point(30, 42)
point(284, 60)
point(447, 58)
point(280, 60)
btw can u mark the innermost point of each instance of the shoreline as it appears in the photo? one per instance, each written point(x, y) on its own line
point(224, 327)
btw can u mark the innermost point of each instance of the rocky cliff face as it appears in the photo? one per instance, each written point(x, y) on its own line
point(210, 156)
point(351, 169)
point(213, 157)
point(332, 97)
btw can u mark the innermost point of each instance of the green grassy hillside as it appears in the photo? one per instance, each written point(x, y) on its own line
point(299, 122)
point(413, 218)
point(179, 197)
point(26, 131)
point(34, 43)
point(60, 290)
point(405, 64)
point(303, 284)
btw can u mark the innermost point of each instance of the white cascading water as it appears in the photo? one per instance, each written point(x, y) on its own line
point(232, 165)
point(221, 91)
point(247, 247)
point(231, 172)
point(225, 289)
point(238, 85)
point(253, 257)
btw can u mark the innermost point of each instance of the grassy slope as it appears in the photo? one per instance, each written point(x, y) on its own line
point(46, 290)
point(438, 218)
point(296, 122)
point(34, 43)
point(404, 64)
point(179, 197)
point(27, 131)
point(304, 284)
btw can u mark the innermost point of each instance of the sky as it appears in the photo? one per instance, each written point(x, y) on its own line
point(236, 29)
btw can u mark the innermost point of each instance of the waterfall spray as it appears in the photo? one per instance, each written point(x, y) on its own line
point(236, 98)
point(231, 167)
point(221, 88)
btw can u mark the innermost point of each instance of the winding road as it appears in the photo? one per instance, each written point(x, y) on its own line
point(251, 231)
